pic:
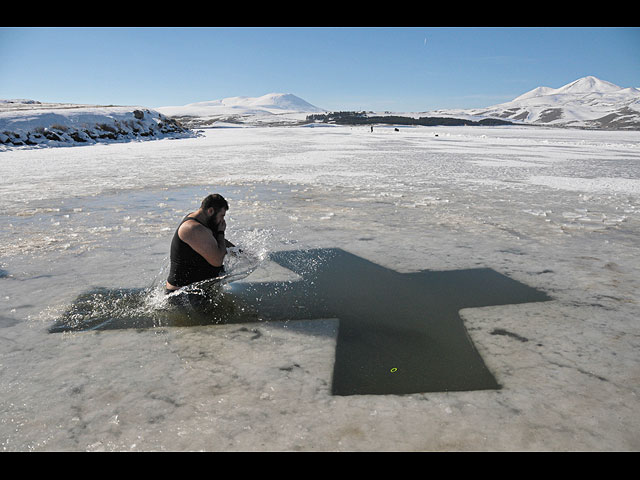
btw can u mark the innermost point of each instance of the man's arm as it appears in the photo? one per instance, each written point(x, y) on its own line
point(200, 239)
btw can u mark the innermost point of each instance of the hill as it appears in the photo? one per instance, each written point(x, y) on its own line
point(271, 109)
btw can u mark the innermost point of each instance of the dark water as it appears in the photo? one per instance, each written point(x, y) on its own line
point(399, 333)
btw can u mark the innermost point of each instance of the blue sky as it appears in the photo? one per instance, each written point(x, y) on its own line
point(396, 69)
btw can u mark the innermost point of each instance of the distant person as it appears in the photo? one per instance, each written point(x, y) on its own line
point(198, 247)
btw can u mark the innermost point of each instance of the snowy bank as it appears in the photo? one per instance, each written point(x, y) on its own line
point(32, 123)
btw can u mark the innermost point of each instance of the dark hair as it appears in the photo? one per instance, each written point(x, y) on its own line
point(215, 201)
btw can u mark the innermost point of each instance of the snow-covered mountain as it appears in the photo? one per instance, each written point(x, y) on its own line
point(272, 108)
point(33, 123)
point(585, 103)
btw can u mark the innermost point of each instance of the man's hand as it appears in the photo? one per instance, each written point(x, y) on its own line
point(200, 239)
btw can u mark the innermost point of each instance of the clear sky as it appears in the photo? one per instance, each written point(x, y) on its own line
point(396, 69)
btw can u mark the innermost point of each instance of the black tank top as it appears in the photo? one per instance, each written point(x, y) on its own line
point(187, 265)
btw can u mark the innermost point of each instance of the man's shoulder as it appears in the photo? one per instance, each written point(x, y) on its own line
point(191, 227)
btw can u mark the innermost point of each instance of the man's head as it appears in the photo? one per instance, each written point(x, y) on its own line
point(215, 207)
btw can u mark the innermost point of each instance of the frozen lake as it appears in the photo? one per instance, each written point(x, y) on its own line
point(555, 210)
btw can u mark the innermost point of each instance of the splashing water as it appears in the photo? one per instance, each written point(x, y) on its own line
point(202, 303)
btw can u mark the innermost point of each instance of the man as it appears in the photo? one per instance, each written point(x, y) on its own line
point(198, 247)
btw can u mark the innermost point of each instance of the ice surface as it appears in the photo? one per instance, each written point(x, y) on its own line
point(557, 210)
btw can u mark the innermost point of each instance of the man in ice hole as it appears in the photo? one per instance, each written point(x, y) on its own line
point(199, 246)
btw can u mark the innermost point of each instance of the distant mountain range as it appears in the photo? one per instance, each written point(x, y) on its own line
point(585, 103)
